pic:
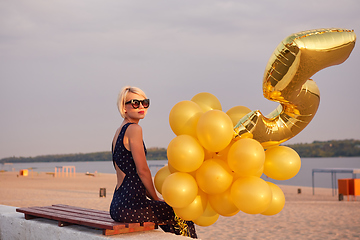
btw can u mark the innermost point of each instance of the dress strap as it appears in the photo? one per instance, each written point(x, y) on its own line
point(126, 125)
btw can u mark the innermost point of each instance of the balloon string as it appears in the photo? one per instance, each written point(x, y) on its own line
point(181, 226)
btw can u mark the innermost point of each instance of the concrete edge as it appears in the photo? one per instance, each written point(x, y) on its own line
point(14, 226)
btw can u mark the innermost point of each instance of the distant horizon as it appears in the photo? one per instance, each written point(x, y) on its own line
point(158, 148)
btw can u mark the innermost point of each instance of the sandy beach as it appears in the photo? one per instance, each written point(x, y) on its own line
point(305, 216)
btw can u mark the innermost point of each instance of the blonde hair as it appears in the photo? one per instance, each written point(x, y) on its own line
point(122, 97)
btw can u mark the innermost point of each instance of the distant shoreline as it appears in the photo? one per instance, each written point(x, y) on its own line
point(316, 149)
point(5, 163)
point(152, 154)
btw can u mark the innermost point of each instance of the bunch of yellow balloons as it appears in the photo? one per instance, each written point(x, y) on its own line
point(209, 173)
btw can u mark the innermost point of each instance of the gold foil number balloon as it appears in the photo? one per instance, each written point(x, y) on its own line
point(287, 81)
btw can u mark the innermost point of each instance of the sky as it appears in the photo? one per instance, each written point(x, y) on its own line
point(63, 62)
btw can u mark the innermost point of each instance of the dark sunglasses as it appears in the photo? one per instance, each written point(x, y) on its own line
point(135, 103)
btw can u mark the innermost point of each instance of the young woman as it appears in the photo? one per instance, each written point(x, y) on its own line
point(135, 198)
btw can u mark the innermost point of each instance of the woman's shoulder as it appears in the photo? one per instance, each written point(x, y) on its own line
point(126, 126)
point(134, 132)
point(134, 128)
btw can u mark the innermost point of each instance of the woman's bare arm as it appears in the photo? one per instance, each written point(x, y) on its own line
point(135, 137)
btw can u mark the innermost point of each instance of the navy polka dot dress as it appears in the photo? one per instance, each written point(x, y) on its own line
point(130, 204)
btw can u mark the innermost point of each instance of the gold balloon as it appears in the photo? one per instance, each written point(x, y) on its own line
point(257, 174)
point(251, 194)
point(236, 113)
point(160, 177)
point(208, 218)
point(172, 169)
point(287, 81)
point(281, 163)
point(223, 154)
point(260, 172)
point(195, 209)
point(214, 130)
point(223, 204)
point(277, 202)
point(207, 101)
point(214, 176)
point(246, 157)
point(183, 118)
point(185, 153)
point(209, 155)
point(179, 189)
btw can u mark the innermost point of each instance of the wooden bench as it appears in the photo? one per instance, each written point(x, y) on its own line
point(68, 215)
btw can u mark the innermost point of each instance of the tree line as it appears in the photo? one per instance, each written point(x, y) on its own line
point(332, 148)
point(152, 154)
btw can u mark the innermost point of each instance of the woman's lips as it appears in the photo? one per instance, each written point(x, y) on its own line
point(141, 112)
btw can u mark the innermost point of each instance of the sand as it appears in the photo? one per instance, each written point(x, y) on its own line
point(305, 216)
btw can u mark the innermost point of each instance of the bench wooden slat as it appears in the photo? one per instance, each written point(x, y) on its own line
point(88, 210)
point(92, 213)
point(66, 215)
point(82, 213)
point(101, 214)
point(69, 218)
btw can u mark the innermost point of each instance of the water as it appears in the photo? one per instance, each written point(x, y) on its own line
point(81, 167)
point(303, 178)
